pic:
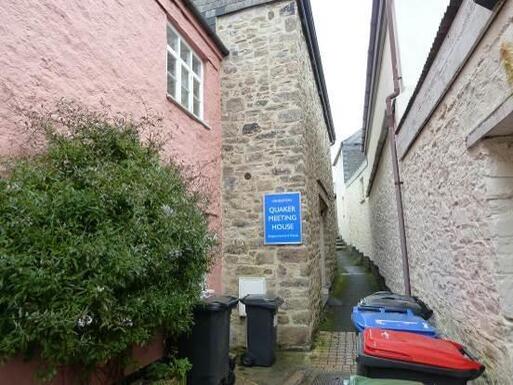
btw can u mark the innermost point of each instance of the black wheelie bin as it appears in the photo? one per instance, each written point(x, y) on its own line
point(397, 302)
point(208, 343)
point(261, 329)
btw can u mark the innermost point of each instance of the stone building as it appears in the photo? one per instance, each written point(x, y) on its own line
point(277, 131)
point(454, 141)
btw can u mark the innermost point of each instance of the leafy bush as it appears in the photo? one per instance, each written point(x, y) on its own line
point(175, 369)
point(101, 245)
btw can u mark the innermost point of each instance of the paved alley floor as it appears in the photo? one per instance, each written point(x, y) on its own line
point(354, 281)
point(333, 358)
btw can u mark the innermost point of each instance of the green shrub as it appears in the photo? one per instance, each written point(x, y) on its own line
point(175, 369)
point(101, 245)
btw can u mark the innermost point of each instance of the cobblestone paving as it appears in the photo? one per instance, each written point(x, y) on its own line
point(335, 352)
point(333, 359)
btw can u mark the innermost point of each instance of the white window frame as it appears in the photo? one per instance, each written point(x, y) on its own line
point(178, 74)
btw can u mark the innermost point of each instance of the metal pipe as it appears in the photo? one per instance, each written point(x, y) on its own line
point(392, 139)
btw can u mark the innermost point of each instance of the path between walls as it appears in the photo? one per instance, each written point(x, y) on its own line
point(333, 358)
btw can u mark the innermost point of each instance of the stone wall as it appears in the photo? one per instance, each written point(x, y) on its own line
point(499, 185)
point(320, 192)
point(384, 224)
point(274, 139)
point(458, 205)
point(459, 213)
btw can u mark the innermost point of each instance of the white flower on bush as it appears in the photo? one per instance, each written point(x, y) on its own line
point(13, 187)
point(84, 321)
point(173, 254)
point(127, 322)
point(168, 210)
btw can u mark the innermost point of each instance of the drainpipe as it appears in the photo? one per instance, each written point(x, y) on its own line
point(392, 140)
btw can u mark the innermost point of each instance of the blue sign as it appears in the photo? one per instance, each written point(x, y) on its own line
point(282, 219)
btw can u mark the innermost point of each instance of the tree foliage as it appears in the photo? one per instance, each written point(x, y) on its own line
point(101, 244)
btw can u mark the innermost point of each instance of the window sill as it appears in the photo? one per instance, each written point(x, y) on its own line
point(187, 112)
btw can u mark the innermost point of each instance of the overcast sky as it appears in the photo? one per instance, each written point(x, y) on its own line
point(343, 33)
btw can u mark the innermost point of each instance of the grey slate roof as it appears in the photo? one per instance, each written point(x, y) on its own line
point(352, 154)
point(207, 27)
point(210, 9)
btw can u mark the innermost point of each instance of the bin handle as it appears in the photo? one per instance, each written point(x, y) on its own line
point(384, 310)
point(369, 307)
point(468, 354)
point(464, 350)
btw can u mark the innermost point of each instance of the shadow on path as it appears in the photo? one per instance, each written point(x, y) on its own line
point(353, 282)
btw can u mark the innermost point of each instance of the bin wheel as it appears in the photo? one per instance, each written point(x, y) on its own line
point(230, 379)
point(247, 360)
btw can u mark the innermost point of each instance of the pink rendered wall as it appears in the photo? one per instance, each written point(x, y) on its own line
point(115, 51)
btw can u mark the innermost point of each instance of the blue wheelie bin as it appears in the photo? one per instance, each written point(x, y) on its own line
point(364, 317)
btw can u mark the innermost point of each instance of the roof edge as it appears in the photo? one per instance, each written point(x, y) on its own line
point(219, 44)
point(372, 62)
point(307, 23)
point(443, 30)
point(339, 152)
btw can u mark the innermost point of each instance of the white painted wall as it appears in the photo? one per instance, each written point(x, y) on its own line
point(340, 190)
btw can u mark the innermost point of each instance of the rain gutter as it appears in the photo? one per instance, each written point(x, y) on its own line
point(390, 116)
point(307, 23)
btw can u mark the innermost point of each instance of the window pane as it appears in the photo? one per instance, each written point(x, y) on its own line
point(172, 39)
point(196, 65)
point(185, 87)
point(185, 53)
point(196, 88)
point(196, 107)
point(171, 64)
point(185, 98)
point(171, 85)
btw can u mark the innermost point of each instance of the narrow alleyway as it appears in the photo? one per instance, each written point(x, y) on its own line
point(354, 281)
point(333, 358)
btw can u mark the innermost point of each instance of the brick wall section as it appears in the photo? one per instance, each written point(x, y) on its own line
point(116, 52)
point(272, 123)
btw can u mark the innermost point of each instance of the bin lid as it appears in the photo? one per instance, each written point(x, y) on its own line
point(401, 320)
point(217, 303)
point(259, 300)
point(418, 349)
point(360, 380)
point(394, 301)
